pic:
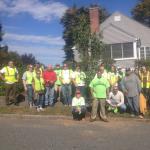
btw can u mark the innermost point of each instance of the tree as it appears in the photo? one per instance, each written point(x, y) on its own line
point(28, 59)
point(77, 30)
point(1, 33)
point(141, 12)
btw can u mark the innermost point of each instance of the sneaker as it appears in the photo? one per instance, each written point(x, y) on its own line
point(92, 120)
point(16, 104)
point(30, 105)
point(115, 110)
point(141, 117)
point(109, 108)
point(132, 115)
point(105, 119)
point(41, 109)
point(38, 109)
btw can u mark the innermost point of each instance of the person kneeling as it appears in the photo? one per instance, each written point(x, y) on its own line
point(78, 106)
point(116, 101)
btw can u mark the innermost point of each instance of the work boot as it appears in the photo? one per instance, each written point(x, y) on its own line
point(92, 120)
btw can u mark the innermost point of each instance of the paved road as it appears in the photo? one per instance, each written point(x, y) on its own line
point(40, 134)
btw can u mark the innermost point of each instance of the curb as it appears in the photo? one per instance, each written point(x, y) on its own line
point(57, 117)
point(22, 116)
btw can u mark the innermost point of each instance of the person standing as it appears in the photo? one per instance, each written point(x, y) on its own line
point(103, 71)
point(100, 91)
point(113, 76)
point(131, 87)
point(58, 82)
point(27, 79)
point(79, 80)
point(145, 82)
point(66, 79)
point(49, 78)
point(10, 76)
point(38, 67)
point(38, 86)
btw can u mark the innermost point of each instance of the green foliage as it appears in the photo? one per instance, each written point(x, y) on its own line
point(21, 61)
point(76, 24)
point(141, 12)
point(142, 62)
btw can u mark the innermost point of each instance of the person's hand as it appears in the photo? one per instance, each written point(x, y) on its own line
point(25, 88)
point(125, 92)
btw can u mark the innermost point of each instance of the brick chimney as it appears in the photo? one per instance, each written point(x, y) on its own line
point(94, 19)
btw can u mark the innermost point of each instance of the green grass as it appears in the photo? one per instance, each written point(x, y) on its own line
point(56, 110)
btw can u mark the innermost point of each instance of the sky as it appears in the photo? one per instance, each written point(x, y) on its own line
point(33, 26)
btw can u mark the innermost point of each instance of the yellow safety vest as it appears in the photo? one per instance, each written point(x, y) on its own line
point(10, 75)
point(29, 78)
point(142, 75)
point(38, 84)
point(40, 69)
point(113, 78)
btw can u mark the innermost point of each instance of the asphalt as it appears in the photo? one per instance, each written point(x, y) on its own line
point(66, 134)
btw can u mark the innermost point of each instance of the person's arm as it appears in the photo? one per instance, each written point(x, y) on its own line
point(2, 77)
point(24, 81)
point(107, 89)
point(92, 88)
point(121, 99)
point(138, 84)
point(17, 75)
point(92, 92)
point(2, 74)
point(123, 87)
point(55, 77)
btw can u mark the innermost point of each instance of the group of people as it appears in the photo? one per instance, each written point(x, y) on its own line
point(116, 90)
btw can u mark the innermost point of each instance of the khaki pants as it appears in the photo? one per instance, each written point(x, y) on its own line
point(10, 93)
point(101, 103)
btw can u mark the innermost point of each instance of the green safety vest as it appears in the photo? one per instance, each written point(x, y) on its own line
point(79, 77)
point(58, 73)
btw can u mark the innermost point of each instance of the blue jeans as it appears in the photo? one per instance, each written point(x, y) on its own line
point(66, 93)
point(133, 104)
point(40, 99)
point(123, 108)
point(30, 93)
point(49, 95)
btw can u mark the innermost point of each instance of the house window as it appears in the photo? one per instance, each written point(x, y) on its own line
point(116, 51)
point(107, 52)
point(147, 52)
point(120, 50)
point(142, 53)
point(127, 50)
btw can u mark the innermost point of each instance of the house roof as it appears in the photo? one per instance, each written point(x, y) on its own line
point(119, 28)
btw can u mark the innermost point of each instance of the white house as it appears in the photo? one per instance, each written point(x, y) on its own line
point(127, 40)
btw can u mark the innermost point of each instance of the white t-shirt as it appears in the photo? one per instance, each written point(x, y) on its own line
point(118, 98)
point(66, 76)
point(78, 101)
